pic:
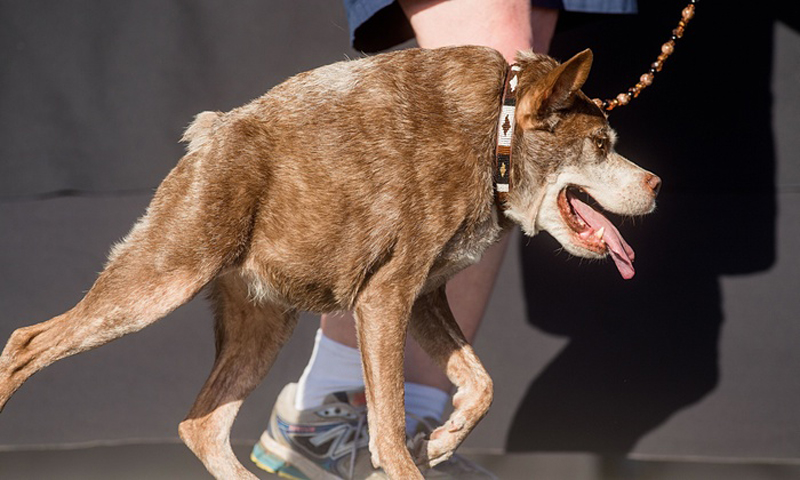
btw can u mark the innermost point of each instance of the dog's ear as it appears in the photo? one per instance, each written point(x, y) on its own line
point(555, 91)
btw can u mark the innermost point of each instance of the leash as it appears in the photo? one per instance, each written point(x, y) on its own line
point(647, 78)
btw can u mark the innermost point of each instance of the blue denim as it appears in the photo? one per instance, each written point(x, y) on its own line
point(380, 24)
point(598, 6)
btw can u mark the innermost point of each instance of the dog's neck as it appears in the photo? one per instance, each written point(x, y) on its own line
point(505, 134)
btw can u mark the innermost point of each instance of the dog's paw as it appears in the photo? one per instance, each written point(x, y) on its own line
point(429, 453)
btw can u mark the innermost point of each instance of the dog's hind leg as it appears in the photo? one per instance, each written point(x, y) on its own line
point(433, 326)
point(189, 234)
point(127, 296)
point(249, 336)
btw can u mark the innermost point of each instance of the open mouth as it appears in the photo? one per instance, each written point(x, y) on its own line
point(592, 230)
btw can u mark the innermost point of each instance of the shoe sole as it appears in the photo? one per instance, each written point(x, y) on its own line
point(280, 460)
point(268, 462)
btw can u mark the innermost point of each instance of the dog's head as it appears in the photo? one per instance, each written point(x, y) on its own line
point(567, 171)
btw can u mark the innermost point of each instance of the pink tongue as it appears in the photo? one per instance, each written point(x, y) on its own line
point(621, 252)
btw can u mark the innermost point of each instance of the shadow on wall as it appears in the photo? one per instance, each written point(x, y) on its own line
point(642, 350)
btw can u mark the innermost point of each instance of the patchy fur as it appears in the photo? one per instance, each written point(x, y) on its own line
point(362, 185)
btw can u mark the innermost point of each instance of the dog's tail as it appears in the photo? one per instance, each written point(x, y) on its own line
point(200, 130)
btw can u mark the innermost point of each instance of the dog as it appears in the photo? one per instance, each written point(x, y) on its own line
point(387, 161)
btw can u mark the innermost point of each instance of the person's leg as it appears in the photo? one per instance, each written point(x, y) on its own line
point(501, 24)
point(508, 26)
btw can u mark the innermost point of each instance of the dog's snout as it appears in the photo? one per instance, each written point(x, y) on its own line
point(653, 182)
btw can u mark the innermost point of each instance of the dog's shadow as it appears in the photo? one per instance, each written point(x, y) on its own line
point(640, 351)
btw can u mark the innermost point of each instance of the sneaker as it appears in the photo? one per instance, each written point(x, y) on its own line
point(330, 442)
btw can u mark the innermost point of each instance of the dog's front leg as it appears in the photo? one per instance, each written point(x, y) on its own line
point(382, 313)
point(435, 329)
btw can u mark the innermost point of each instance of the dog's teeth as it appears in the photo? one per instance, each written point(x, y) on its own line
point(599, 233)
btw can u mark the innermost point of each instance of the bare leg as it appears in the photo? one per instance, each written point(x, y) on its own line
point(249, 337)
point(501, 24)
point(507, 26)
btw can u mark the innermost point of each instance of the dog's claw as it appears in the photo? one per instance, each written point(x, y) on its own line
point(456, 424)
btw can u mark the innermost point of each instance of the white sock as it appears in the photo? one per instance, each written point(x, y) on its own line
point(333, 367)
point(423, 401)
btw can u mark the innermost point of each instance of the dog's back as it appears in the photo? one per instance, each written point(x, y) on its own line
point(359, 158)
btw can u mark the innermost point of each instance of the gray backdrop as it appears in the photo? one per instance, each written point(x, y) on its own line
point(694, 357)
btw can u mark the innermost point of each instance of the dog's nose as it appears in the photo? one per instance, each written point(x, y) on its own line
point(653, 182)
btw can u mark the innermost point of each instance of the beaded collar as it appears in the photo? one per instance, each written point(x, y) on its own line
point(505, 134)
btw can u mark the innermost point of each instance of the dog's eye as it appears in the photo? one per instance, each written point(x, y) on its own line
point(600, 142)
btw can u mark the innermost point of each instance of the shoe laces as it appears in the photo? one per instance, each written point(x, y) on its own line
point(425, 426)
point(362, 421)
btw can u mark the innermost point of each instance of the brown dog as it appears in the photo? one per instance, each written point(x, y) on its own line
point(362, 185)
